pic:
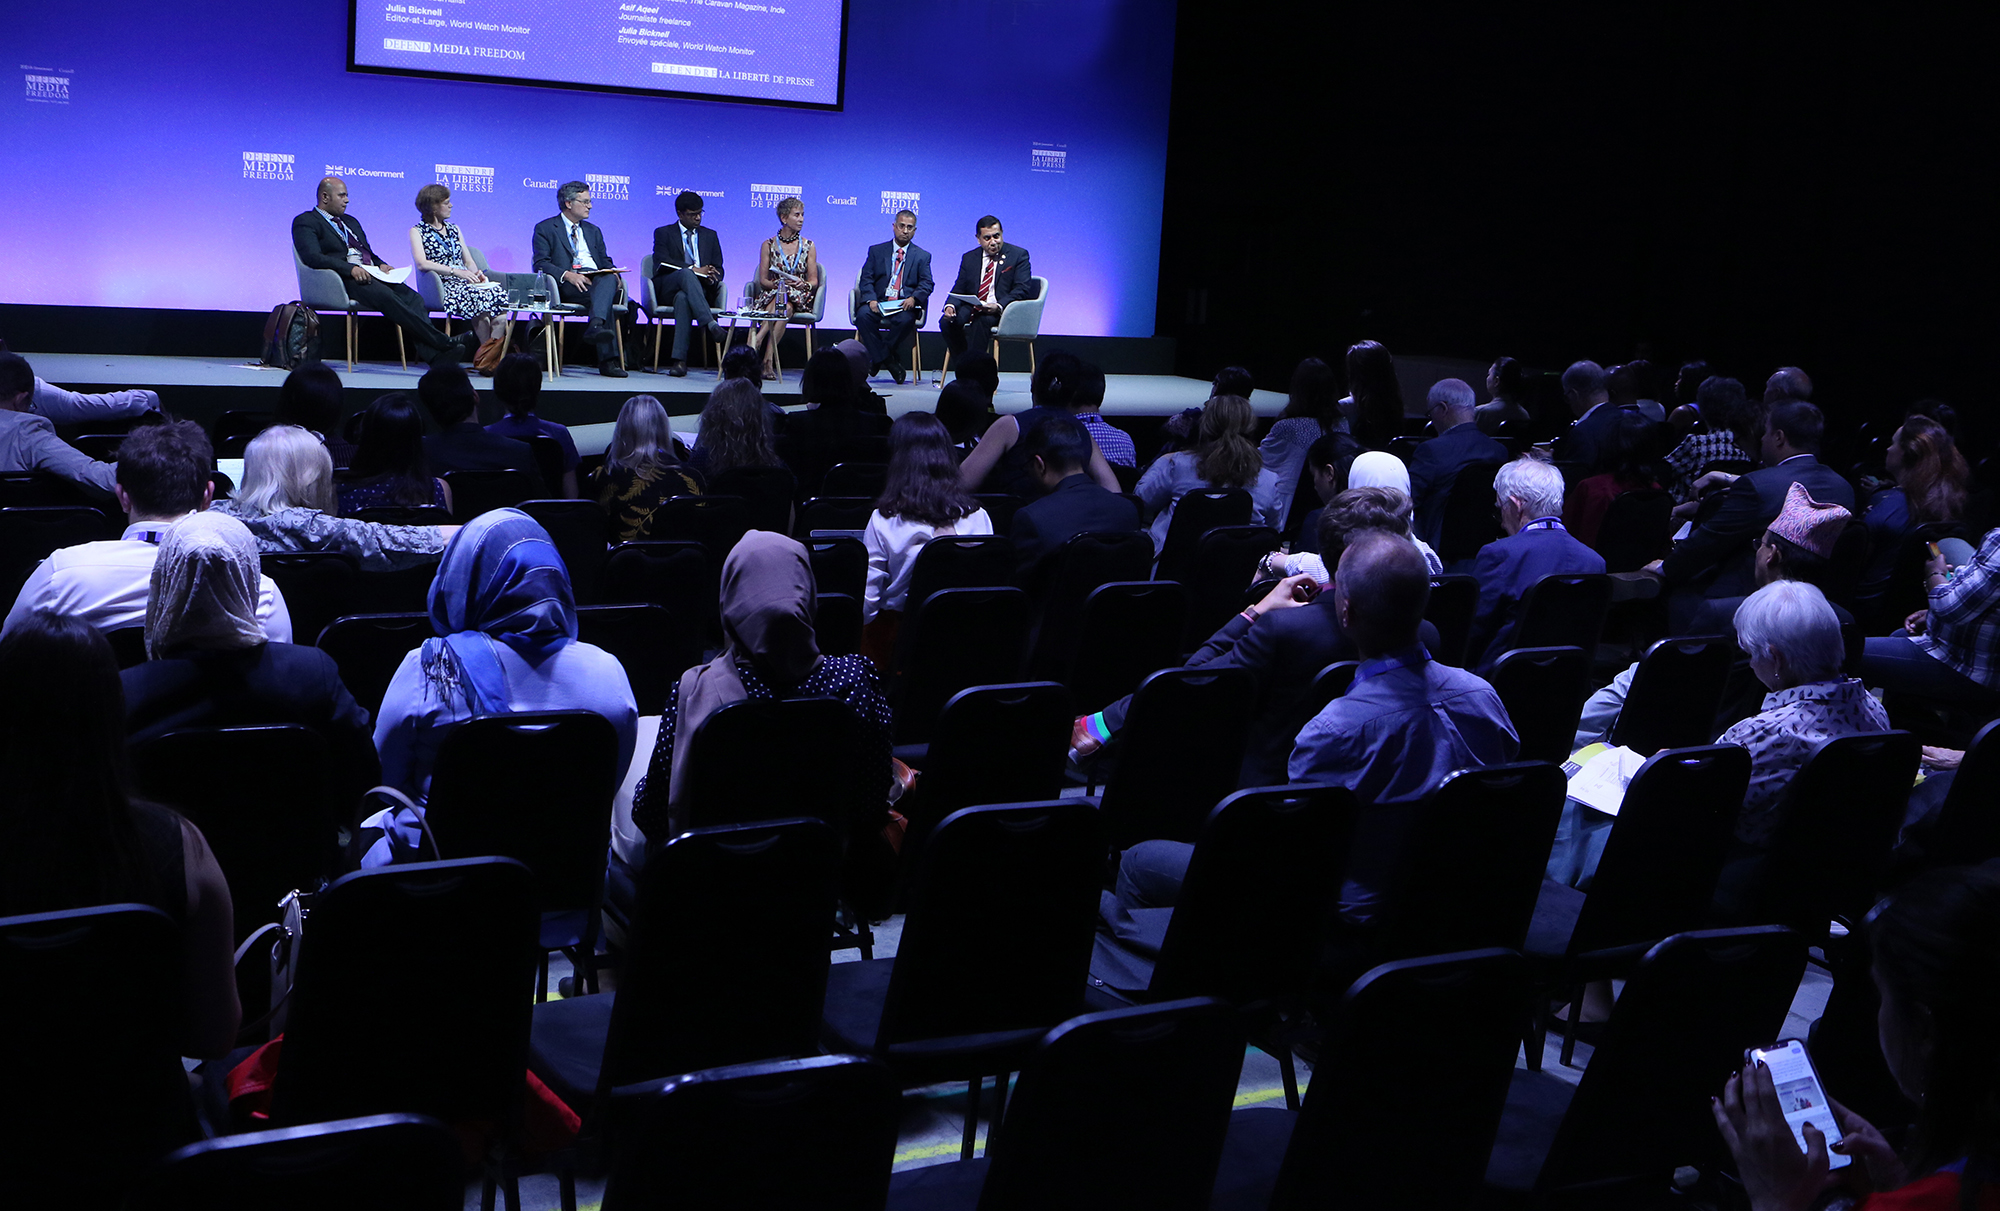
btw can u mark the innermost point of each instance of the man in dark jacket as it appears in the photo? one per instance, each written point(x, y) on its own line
point(460, 444)
point(1058, 450)
point(1435, 464)
point(1530, 494)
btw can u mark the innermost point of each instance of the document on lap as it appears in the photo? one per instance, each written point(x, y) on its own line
point(395, 277)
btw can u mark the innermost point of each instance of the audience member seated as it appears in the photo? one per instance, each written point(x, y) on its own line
point(64, 407)
point(1635, 387)
point(1376, 476)
point(75, 836)
point(966, 414)
point(1787, 382)
point(1312, 411)
point(1628, 458)
point(1435, 464)
point(1722, 405)
point(1327, 463)
point(213, 666)
point(1504, 415)
point(1946, 653)
point(1714, 561)
point(312, 399)
point(997, 464)
point(770, 651)
point(287, 500)
point(735, 429)
point(922, 499)
point(980, 373)
point(1285, 647)
point(517, 384)
point(388, 466)
point(833, 428)
point(1223, 459)
point(1058, 450)
point(1931, 480)
point(1792, 638)
point(28, 442)
point(1374, 405)
point(1529, 493)
point(1586, 387)
point(1934, 969)
point(505, 644)
point(460, 444)
point(866, 398)
point(162, 478)
point(640, 471)
point(744, 362)
point(1087, 399)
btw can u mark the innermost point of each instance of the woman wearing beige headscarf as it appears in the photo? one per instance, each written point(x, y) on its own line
point(211, 665)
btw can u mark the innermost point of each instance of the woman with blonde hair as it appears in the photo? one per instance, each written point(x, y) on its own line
point(1223, 457)
point(640, 471)
point(287, 501)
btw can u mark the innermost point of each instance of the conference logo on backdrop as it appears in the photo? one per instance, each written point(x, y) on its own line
point(44, 86)
point(895, 201)
point(268, 165)
point(767, 197)
point(1048, 157)
point(674, 191)
point(464, 178)
point(608, 189)
point(349, 170)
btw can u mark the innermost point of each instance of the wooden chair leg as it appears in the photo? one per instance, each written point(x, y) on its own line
point(656, 347)
point(562, 337)
point(402, 350)
point(917, 354)
point(618, 330)
point(1031, 357)
point(944, 369)
point(350, 341)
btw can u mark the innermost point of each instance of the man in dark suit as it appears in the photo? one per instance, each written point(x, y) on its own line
point(327, 237)
point(1530, 495)
point(1589, 440)
point(687, 276)
point(1717, 559)
point(1057, 449)
point(570, 249)
point(460, 444)
point(895, 270)
point(997, 273)
point(1435, 464)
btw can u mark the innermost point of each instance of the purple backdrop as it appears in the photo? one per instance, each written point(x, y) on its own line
point(158, 152)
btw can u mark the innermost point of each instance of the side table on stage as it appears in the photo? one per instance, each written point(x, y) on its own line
point(549, 314)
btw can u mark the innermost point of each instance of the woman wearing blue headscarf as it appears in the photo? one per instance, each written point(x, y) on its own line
point(506, 643)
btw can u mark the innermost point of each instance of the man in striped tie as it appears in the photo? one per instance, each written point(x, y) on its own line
point(996, 273)
point(895, 287)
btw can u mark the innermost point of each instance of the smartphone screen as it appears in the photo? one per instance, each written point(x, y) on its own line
point(1800, 1096)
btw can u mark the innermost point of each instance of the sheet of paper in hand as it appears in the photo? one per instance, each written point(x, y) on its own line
point(395, 277)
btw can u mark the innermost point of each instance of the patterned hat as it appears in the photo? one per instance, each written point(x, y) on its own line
point(1808, 523)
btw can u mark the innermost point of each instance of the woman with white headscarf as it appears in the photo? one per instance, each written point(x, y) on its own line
point(1370, 469)
point(211, 664)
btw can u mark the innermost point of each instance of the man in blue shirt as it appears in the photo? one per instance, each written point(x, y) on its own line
point(517, 381)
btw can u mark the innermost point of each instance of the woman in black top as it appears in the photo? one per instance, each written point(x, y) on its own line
point(389, 467)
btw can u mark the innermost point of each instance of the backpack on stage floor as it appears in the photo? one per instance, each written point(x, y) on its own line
point(291, 335)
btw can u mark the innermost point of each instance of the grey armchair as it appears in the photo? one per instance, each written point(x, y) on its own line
point(620, 306)
point(753, 294)
point(650, 307)
point(323, 291)
point(1021, 321)
point(431, 290)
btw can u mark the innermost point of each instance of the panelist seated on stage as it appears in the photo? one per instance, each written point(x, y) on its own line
point(570, 249)
point(687, 276)
point(997, 273)
point(327, 237)
point(895, 288)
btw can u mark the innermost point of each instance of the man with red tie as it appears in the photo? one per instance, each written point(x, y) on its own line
point(327, 237)
point(895, 286)
point(996, 273)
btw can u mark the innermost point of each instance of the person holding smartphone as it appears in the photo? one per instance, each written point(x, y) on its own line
point(1937, 961)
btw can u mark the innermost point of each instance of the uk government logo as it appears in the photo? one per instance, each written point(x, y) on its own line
point(608, 189)
point(1047, 157)
point(47, 89)
point(895, 201)
point(267, 166)
point(464, 178)
point(674, 191)
point(767, 197)
point(348, 170)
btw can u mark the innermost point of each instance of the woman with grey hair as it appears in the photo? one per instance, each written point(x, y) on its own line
point(287, 501)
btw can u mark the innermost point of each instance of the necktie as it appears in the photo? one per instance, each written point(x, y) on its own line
point(986, 282)
point(575, 245)
point(687, 240)
point(896, 277)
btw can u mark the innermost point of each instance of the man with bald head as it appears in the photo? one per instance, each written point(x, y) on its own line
point(1435, 464)
point(327, 237)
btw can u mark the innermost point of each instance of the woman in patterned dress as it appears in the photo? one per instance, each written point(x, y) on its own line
point(787, 279)
point(436, 246)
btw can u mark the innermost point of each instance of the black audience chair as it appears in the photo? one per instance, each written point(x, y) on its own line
point(239, 423)
point(1636, 530)
point(747, 984)
point(1020, 878)
point(1543, 690)
point(405, 515)
point(1967, 829)
point(1000, 509)
point(1329, 683)
point(1195, 515)
point(817, 1132)
point(839, 565)
point(1675, 694)
point(958, 561)
point(992, 744)
point(128, 644)
point(1453, 602)
point(718, 523)
point(767, 491)
point(646, 642)
point(369, 648)
point(837, 624)
point(264, 800)
point(548, 454)
point(30, 534)
point(1083, 563)
point(1225, 559)
point(1178, 753)
point(1128, 629)
point(394, 1162)
point(677, 576)
point(1172, 1071)
point(477, 492)
point(403, 591)
point(855, 479)
point(844, 514)
point(535, 787)
point(91, 1005)
point(1471, 517)
point(1563, 609)
point(1407, 1098)
point(578, 529)
point(962, 638)
point(1688, 1011)
point(318, 587)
